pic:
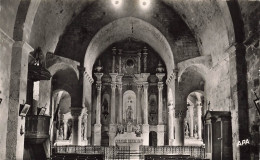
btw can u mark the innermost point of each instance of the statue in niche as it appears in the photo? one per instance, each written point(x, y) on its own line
point(82, 131)
point(129, 111)
point(195, 131)
point(129, 127)
point(138, 131)
point(120, 129)
point(186, 129)
point(60, 133)
point(69, 131)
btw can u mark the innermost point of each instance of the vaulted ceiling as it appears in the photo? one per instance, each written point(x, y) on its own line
point(191, 27)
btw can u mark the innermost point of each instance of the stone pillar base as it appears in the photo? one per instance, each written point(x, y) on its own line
point(145, 130)
point(160, 135)
point(97, 134)
point(112, 134)
point(171, 142)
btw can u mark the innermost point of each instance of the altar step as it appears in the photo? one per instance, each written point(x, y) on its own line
point(171, 157)
point(77, 157)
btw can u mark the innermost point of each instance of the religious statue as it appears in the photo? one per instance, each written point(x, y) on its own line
point(120, 129)
point(129, 113)
point(138, 131)
point(129, 127)
point(82, 131)
point(195, 131)
point(186, 129)
point(60, 133)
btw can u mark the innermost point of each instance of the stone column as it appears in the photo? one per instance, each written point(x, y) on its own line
point(170, 124)
point(145, 102)
point(199, 107)
point(113, 98)
point(114, 59)
point(65, 126)
point(160, 98)
point(239, 106)
point(17, 96)
point(191, 108)
point(139, 62)
point(85, 131)
point(138, 104)
point(120, 101)
point(145, 59)
point(97, 126)
point(179, 127)
point(112, 125)
point(120, 61)
point(145, 128)
point(171, 82)
point(76, 125)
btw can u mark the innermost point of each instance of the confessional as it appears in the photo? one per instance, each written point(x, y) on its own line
point(218, 135)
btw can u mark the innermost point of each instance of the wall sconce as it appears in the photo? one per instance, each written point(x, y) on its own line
point(257, 102)
point(24, 108)
point(21, 130)
point(257, 105)
point(1, 100)
point(41, 111)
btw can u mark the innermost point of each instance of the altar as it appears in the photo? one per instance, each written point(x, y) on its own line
point(130, 139)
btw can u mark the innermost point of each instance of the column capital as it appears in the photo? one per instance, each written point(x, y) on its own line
point(113, 85)
point(113, 76)
point(119, 86)
point(145, 76)
point(120, 51)
point(160, 86)
point(114, 50)
point(145, 85)
point(99, 76)
point(145, 51)
point(76, 112)
point(160, 76)
point(139, 54)
point(139, 86)
point(119, 77)
point(180, 113)
point(99, 86)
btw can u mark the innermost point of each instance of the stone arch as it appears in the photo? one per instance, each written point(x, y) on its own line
point(45, 86)
point(24, 19)
point(113, 32)
point(203, 64)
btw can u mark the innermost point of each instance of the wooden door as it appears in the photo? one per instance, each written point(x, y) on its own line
point(217, 141)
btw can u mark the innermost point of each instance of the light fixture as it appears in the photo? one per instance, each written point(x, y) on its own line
point(257, 102)
point(24, 108)
point(1, 100)
point(116, 3)
point(21, 130)
point(144, 3)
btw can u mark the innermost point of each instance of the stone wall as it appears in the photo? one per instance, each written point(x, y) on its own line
point(6, 44)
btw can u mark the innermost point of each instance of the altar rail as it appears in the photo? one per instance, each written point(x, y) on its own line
point(111, 152)
point(192, 151)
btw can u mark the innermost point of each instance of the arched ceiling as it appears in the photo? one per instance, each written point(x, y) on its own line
point(81, 29)
point(209, 23)
point(113, 32)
